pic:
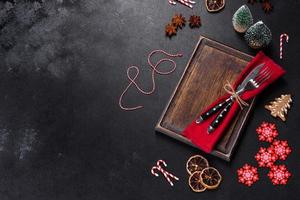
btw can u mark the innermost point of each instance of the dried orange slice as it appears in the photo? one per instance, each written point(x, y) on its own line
point(196, 163)
point(195, 182)
point(210, 178)
point(214, 5)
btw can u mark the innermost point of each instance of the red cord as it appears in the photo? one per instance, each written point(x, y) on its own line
point(154, 70)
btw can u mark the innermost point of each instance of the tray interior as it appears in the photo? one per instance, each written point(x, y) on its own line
point(211, 65)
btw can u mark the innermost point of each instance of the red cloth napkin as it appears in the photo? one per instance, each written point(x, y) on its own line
point(197, 133)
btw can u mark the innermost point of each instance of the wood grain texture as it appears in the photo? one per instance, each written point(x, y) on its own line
point(210, 67)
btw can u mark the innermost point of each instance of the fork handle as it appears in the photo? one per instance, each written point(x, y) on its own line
point(219, 118)
point(213, 110)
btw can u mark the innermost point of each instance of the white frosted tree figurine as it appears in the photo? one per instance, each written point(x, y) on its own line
point(280, 106)
point(258, 35)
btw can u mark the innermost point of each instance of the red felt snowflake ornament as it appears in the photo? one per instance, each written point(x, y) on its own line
point(247, 175)
point(281, 149)
point(267, 132)
point(279, 175)
point(266, 157)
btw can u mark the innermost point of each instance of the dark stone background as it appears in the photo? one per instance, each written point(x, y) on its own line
point(63, 67)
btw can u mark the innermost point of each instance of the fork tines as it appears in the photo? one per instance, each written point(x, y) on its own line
point(264, 75)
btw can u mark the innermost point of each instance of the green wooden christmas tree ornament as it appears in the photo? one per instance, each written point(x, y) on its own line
point(242, 19)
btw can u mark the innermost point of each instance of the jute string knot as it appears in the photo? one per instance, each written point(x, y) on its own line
point(230, 90)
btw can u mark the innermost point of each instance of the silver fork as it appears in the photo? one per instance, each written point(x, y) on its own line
point(264, 75)
point(255, 83)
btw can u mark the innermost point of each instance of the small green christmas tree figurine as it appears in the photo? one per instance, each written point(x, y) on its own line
point(242, 19)
point(258, 35)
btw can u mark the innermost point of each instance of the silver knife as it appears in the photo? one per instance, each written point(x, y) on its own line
point(240, 88)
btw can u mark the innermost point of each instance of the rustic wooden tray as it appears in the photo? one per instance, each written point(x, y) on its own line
point(208, 69)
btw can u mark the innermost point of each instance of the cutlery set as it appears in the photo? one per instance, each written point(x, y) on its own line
point(252, 81)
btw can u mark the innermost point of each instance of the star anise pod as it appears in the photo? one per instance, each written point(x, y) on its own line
point(170, 30)
point(195, 21)
point(267, 6)
point(178, 21)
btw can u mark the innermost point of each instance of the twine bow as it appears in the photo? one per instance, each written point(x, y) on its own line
point(230, 90)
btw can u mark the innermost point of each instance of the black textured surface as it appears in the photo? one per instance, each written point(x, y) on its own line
point(63, 67)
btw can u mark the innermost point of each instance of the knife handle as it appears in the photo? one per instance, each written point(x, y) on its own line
point(212, 111)
point(219, 118)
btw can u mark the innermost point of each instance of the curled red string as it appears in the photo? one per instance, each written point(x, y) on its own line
point(155, 70)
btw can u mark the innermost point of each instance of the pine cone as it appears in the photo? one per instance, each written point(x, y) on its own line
point(252, 1)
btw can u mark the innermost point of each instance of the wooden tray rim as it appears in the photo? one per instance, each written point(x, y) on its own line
point(161, 129)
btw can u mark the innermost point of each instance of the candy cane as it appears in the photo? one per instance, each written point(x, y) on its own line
point(286, 36)
point(187, 3)
point(190, 1)
point(166, 174)
point(172, 2)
